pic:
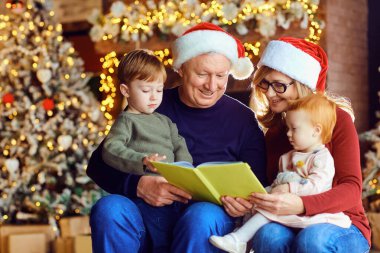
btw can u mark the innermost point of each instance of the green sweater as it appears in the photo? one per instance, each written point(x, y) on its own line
point(134, 136)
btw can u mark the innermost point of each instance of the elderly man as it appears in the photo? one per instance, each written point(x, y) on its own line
point(148, 214)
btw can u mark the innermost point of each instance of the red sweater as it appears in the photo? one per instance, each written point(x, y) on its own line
point(345, 196)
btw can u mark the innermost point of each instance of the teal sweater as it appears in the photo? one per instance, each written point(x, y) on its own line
point(134, 136)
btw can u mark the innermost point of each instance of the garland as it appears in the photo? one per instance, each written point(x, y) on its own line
point(139, 21)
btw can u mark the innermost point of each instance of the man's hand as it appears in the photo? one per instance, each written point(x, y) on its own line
point(236, 207)
point(152, 157)
point(156, 191)
point(278, 203)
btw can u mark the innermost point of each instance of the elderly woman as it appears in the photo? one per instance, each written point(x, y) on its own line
point(148, 214)
point(289, 69)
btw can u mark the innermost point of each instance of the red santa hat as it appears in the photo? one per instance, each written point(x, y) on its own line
point(299, 59)
point(206, 38)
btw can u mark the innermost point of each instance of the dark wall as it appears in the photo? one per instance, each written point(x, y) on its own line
point(86, 49)
point(373, 59)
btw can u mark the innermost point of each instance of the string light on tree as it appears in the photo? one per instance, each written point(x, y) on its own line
point(371, 171)
point(44, 140)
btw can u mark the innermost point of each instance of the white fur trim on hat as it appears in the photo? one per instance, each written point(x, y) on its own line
point(200, 42)
point(291, 61)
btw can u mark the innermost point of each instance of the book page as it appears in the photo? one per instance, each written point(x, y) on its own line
point(185, 179)
point(232, 179)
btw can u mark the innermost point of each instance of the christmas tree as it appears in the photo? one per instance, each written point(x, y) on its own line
point(50, 122)
point(371, 172)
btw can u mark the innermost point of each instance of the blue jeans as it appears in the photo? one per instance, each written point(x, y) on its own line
point(120, 224)
point(320, 238)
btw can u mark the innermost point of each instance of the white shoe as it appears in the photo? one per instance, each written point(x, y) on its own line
point(228, 243)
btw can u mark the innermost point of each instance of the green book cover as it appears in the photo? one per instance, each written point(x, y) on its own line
point(209, 181)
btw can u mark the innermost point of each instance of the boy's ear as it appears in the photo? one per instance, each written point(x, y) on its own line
point(124, 89)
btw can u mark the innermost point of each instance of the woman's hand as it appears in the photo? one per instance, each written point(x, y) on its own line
point(236, 207)
point(278, 203)
point(156, 191)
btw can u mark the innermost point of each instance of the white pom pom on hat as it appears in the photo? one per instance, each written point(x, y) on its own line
point(206, 38)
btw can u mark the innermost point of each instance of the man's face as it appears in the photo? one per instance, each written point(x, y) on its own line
point(205, 80)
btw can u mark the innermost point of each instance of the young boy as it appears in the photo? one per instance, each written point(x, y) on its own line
point(308, 169)
point(140, 135)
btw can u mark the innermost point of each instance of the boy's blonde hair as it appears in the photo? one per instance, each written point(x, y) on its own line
point(140, 64)
point(321, 110)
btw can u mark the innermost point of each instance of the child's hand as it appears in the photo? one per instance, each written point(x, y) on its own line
point(282, 188)
point(152, 157)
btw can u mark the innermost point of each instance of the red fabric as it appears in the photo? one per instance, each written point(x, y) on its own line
point(314, 51)
point(211, 27)
point(347, 185)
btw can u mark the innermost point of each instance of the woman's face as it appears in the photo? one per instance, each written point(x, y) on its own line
point(205, 80)
point(278, 102)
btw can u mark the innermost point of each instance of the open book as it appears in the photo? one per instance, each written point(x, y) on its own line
point(209, 181)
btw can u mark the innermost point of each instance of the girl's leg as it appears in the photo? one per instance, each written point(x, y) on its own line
point(237, 240)
point(249, 229)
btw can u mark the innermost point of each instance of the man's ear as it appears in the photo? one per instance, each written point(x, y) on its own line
point(124, 89)
point(180, 72)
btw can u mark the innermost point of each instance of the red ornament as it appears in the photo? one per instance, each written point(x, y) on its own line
point(48, 104)
point(8, 98)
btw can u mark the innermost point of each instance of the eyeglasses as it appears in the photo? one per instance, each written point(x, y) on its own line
point(276, 86)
